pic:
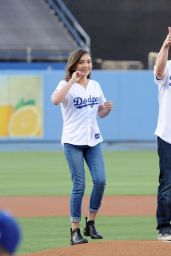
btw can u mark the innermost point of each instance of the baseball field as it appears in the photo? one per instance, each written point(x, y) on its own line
point(35, 187)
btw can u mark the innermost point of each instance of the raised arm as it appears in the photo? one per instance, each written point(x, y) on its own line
point(162, 56)
point(58, 96)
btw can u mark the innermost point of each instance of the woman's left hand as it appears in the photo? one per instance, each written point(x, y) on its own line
point(108, 105)
point(104, 109)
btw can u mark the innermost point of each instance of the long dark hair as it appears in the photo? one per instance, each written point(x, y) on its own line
point(73, 59)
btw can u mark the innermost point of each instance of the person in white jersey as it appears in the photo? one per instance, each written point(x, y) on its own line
point(81, 101)
point(162, 74)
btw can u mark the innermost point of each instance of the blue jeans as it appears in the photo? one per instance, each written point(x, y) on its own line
point(75, 156)
point(164, 189)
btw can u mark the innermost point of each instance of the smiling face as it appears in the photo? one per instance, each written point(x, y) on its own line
point(84, 65)
point(79, 60)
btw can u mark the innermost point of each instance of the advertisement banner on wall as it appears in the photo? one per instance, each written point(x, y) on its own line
point(21, 106)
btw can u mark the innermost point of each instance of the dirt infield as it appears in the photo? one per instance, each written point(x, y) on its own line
point(59, 206)
point(112, 206)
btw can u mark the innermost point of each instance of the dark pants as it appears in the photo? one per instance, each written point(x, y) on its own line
point(164, 189)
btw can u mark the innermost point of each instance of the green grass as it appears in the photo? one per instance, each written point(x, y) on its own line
point(44, 233)
point(131, 173)
point(46, 173)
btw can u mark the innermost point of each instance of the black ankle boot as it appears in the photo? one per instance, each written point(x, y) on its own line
point(90, 230)
point(76, 237)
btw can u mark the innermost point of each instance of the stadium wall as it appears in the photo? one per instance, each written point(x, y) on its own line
point(133, 93)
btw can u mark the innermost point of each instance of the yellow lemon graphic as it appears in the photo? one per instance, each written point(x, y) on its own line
point(25, 121)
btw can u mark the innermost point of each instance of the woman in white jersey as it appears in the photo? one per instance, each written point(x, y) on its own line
point(81, 101)
point(162, 72)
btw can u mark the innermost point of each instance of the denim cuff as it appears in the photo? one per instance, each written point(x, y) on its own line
point(92, 210)
point(75, 219)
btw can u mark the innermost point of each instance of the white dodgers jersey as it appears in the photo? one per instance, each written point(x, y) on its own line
point(79, 111)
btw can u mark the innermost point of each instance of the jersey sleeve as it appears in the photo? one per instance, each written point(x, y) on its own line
point(163, 81)
point(60, 85)
point(102, 98)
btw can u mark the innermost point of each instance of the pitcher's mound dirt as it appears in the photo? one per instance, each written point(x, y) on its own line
point(112, 248)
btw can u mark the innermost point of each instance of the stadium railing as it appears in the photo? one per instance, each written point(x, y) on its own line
point(72, 25)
